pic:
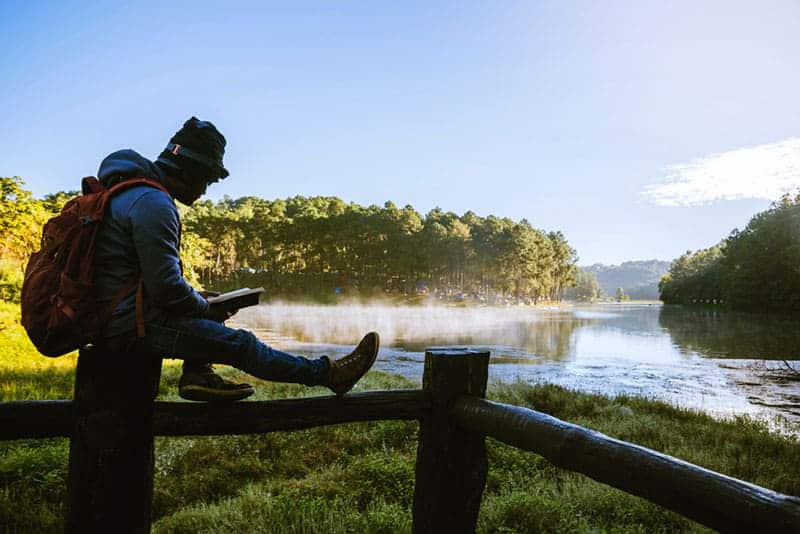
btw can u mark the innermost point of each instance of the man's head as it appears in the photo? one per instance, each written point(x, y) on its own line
point(195, 154)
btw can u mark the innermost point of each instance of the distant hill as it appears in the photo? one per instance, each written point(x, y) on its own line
point(639, 279)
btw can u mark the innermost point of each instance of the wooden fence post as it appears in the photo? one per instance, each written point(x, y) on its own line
point(110, 481)
point(451, 462)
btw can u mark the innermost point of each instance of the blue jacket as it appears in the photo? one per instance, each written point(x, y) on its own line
point(141, 234)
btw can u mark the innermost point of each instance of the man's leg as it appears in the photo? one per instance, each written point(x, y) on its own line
point(202, 341)
point(206, 341)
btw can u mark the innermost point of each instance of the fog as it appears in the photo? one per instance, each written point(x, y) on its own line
point(345, 324)
point(614, 349)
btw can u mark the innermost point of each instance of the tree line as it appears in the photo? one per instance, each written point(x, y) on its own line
point(324, 246)
point(755, 268)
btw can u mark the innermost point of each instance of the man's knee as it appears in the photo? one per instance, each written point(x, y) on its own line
point(244, 346)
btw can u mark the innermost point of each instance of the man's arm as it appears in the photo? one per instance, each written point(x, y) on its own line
point(155, 227)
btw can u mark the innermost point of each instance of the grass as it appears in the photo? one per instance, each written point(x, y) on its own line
point(360, 477)
point(24, 373)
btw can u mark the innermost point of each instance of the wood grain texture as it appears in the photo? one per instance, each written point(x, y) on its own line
point(715, 500)
point(259, 417)
point(39, 419)
point(451, 462)
point(111, 459)
point(36, 419)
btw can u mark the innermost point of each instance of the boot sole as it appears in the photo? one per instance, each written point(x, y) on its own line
point(204, 394)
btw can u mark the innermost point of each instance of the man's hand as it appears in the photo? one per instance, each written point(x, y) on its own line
point(220, 313)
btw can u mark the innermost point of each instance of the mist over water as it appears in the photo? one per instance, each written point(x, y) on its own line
point(414, 328)
point(721, 363)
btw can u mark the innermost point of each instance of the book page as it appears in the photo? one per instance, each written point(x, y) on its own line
point(236, 293)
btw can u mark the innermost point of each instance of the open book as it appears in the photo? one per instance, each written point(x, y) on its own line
point(236, 299)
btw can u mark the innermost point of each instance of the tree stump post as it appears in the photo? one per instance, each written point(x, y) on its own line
point(451, 462)
point(111, 459)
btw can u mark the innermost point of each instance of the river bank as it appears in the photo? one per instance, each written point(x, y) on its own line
point(359, 477)
point(706, 360)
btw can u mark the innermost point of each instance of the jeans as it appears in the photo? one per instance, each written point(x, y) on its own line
point(205, 341)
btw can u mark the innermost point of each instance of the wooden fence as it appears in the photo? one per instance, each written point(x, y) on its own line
point(114, 418)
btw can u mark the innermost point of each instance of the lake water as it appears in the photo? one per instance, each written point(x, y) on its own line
point(723, 363)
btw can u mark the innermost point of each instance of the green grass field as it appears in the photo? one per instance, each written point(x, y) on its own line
point(360, 477)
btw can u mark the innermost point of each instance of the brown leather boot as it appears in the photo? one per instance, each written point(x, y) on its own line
point(345, 372)
point(199, 382)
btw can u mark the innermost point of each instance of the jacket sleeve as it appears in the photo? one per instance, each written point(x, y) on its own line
point(155, 227)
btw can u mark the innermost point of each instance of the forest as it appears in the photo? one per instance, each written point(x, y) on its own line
point(757, 268)
point(325, 248)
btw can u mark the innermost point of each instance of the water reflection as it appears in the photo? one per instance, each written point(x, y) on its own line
point(635, 319)
point(668, 353)
point(518, 332)
point(728, 334)
point(548, 336)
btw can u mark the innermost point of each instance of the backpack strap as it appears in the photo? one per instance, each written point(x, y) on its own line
point(140, 308)
point(90, 184)
point(121, 294)
point(132, 182)
point(137, 281)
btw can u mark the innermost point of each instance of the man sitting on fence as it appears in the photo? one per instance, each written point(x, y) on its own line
point(166, 317)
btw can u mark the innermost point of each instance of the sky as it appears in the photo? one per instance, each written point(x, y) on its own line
point(639, 129)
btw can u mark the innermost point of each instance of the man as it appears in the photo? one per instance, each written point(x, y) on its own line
point(140, 239)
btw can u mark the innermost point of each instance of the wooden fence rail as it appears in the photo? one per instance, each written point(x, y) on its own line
point(56, 418)
point(111, 424)
point(715, 500)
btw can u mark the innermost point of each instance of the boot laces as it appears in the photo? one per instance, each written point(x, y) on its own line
point(349, 359)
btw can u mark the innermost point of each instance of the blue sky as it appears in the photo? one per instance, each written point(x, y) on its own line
point(640, 129)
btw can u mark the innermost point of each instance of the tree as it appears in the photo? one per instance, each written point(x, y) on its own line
point(755, 268)
point(21, 221)
point(586, 287)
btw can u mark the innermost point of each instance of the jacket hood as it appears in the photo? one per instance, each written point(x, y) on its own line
point(124, 164)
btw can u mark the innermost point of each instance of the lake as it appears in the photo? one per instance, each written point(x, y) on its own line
point(724, 363)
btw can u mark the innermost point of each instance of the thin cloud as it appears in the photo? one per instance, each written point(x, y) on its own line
point(760, 172)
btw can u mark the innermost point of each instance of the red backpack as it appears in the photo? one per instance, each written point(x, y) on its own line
point(59, 310)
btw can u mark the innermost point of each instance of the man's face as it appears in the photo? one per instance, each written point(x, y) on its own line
point(196, 190)
point(194, 187)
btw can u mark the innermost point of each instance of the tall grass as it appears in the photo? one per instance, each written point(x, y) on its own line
point(360, 477)
point(24, 373)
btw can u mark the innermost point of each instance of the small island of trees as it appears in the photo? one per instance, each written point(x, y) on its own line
point(757, 268)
